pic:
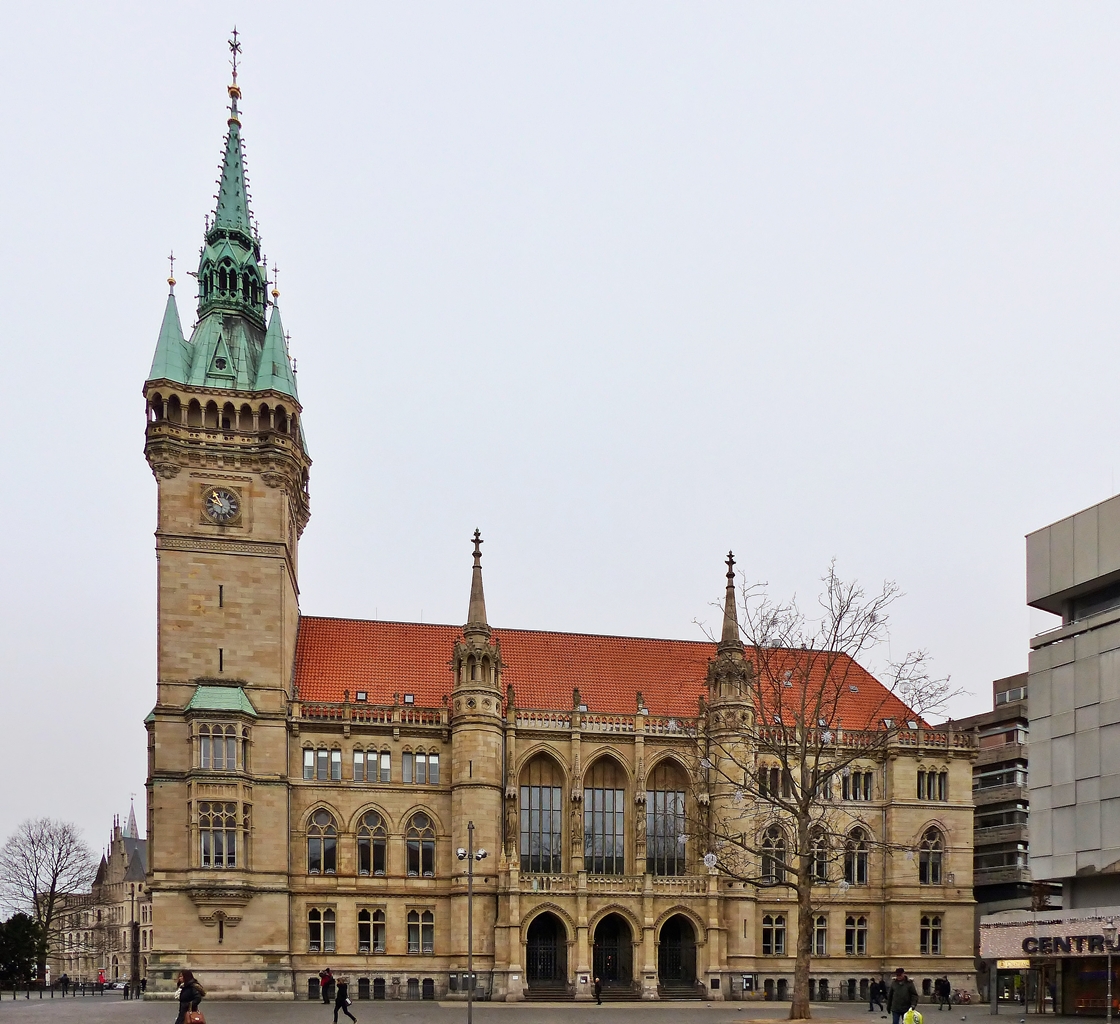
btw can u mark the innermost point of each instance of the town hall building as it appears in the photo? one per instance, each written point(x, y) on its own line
point(310, 779)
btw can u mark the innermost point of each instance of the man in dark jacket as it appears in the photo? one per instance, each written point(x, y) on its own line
point(944, 990)
point(598, 992)
point(902, 996)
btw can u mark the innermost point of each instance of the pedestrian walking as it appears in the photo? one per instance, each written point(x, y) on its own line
point(875, 994)
point(943, 990)
point(342, 1000)
point(191, 993)
point(325, 981)
point(901, 997)
point(598, 992)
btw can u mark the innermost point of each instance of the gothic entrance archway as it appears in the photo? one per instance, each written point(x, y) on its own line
point(546, 953)
point(676, 953)
point(614, 952)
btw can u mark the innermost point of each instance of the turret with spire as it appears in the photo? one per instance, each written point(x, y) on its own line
point(729, 673)
point(477, 731)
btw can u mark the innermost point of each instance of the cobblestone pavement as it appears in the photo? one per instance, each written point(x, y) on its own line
point(113, 1010)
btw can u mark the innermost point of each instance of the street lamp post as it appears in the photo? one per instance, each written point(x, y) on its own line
point(470, 856)
point(1109, 930)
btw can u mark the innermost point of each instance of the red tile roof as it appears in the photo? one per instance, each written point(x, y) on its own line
point(383, 658)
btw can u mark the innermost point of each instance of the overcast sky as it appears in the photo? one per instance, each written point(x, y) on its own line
point(623, 285)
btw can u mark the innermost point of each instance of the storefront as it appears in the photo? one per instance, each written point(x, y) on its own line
point(1055, 961)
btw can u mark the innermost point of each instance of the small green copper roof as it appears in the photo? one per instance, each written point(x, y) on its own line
point(172, 356)
point(275, 371)
point(151, 718)
point(221, 698)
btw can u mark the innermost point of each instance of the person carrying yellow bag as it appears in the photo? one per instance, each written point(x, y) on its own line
point(902, 997)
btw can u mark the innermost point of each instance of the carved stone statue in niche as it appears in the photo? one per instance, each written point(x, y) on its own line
point(640, 837)
point(512, 833)
point(577, 827)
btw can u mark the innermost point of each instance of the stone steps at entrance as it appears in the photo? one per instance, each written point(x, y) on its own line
point(546, 993)
point(679, 991)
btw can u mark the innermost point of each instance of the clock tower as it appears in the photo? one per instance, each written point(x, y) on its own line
point(224, 440)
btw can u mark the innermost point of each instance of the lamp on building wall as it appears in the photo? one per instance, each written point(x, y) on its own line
point(1109, 930)
point(470, 855)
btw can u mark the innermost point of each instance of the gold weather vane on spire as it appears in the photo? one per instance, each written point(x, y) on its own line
point(171, 260)
point(275, 282)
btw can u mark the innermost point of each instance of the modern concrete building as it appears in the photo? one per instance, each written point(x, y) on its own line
point(1001, 878)
point(1073, 571)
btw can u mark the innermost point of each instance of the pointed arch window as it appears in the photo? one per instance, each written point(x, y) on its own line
point(217, 828)
point(371, 844)
point(217, 748)
point(542, 816)
point(665, 820)
point(604, 824)
point(855, 935)
point(819, 867)
point(421, 931)
point(930, 935)
point(322, 844)
point(371, 931)
point(773, 856)
point(820, 936)
point(930, 853)
point(855, 857)
point(420, 846)
point(774, 935)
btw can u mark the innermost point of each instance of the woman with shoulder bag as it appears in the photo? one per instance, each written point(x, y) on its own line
point(342, 1000)
point(191, 993)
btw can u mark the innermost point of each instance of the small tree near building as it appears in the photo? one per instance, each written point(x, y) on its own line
point(21, 948)
point(781, 776)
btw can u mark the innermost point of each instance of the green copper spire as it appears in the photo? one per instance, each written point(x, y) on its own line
point(230, 277)
point(172, 359)
point(231, 347)
point(275, 373)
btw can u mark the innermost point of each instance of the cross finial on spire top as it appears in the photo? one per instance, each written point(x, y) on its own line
point(171, 260)
point(730, 565)
point(234, 49)
point(478, 542)
point(275, 282)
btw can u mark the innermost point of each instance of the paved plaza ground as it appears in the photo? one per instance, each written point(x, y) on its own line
point(113, 1010)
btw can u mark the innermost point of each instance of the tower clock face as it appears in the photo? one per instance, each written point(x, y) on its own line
point(221, 505)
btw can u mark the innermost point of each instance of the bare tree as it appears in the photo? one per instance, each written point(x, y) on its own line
point(42, 863)
point(769, 774)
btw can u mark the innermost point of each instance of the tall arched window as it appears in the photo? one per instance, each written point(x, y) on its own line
point(855, 935)
point(371, 931)
point(322, 844)
point(420, 845)
point(371, 844)
point(929, 857)
point(665, 821)
point(819, 867)
point(421, 931)
point(930, 935)
point(820, 936)
point(542, 816)
point(604, 809)
point(320, 930)
point(217, 828)
point(217, 748)
point(774, 935)
point(773, 855)
point(855, 857)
